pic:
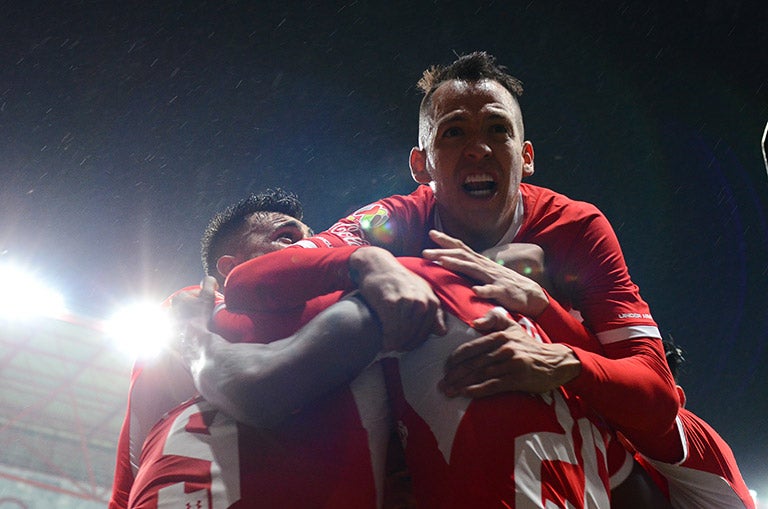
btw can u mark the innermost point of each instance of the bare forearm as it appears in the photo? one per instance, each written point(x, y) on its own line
point(261, 384)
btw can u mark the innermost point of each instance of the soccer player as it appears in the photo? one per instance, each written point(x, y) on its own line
point(513, 450)
point(152, 453)
point(326, 454)
point(471, 158)
point(703, 471)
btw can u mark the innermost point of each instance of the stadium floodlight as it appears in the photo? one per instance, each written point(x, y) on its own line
point(27, 296)
point(140, 329)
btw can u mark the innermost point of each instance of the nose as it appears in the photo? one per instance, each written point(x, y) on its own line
point(477, 148)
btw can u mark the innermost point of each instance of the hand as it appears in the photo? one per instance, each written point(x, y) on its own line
point(405, 304)
point(494, 320)
point(524, 258)
point(508, 359)
point(192, 311)
point(512, 290)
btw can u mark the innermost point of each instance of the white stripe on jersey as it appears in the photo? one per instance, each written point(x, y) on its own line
point(629, 332)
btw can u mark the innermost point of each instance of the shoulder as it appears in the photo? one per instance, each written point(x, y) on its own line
point(418, 203)
point(548, 212)
point(422, 196)
point(538, 199)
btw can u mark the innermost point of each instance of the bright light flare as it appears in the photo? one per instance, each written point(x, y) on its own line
point(27, 296)
point(141, 329)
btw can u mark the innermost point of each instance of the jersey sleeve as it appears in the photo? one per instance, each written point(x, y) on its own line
point(398, 223)
point(563, 327)
point(586, 265)
point(707, 475)
point(156, 386)
point(590, 275)
point(606, 296)
point(630, 386)
point(287, 278)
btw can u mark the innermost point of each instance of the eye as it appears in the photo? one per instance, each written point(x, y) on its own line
point(500, 129)
point(452, 132)
point(288, 235)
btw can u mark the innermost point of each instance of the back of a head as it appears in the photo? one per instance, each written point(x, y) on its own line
point(674, 356)
point(223, 228)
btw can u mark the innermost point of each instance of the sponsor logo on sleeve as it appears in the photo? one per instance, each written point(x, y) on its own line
point(646, 316)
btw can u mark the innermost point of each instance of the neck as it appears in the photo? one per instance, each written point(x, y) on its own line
point(479, 239)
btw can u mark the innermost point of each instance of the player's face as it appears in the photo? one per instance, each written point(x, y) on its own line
point(475, 157)
point(270, 231)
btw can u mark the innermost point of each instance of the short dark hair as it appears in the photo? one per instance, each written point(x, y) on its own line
point(674, 355)
point(473, 67)
point(228, 223)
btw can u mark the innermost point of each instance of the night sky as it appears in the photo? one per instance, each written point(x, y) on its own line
point(124, 128)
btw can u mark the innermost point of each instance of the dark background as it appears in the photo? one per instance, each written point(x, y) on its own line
point(124, 127)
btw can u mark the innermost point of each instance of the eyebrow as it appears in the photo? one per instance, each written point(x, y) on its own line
point(461, 115)
point(451, 117)
point(289, 223)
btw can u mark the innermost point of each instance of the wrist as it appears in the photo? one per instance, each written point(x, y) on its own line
point(568, 365)
point(365, 261)
point(539, 303)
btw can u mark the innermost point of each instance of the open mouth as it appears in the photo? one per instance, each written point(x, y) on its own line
point(479, 186)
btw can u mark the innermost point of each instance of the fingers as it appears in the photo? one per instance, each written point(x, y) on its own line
point(486, 388)
point(456, 256)
point(473, 266)
point(475, 350)
point(423, 326)
point(414, 323)
point(444, 240)
point(467, 380)
point(208, 288)
point(490, 292)
point(405, 304)
point(440, 328)
point(191, 312)
point(494, 320)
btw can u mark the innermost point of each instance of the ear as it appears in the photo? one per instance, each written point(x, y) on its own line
point(681, 395)
point(225, 264)
point(527, 159)
point(418, 163)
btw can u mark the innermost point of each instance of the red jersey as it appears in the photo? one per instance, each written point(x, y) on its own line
point(330, 454)
point(156, 386)
point(589, 275)
point(322, 457)
point(513, 450)
point(510, 450)
point(707, 476)
point(584, 259)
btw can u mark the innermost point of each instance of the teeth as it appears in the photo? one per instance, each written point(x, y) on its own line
point(483, 177)
point(479, 185)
